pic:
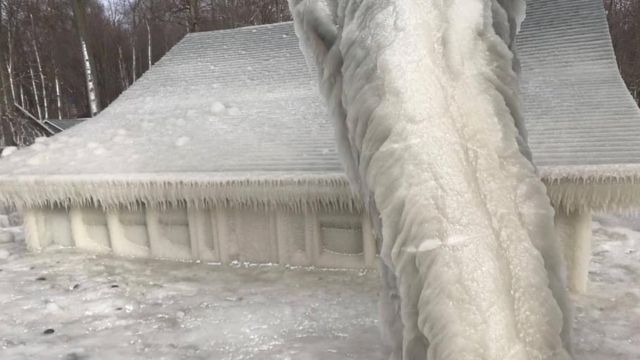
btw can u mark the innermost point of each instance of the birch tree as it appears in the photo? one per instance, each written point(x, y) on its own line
point(36, 100)
point(79, 10)
point(58, 98)
point(122, 68)
point(134, 10)
point(150, 54)
point(3, 90)
point(9, 62)
point(22, 102)
point(40, 71)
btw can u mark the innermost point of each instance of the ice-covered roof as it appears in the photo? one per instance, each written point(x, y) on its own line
point(584, 125)
point(234, 116)
point(224, 116)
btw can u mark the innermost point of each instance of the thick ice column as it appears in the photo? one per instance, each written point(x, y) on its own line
point(47, 226)
point(120, 242)
point(574, 231)
point(32, 230)
point(425, 101)
point(89, 229)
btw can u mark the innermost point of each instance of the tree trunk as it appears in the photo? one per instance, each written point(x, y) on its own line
point(133, 62)
point(40, 71)
point(123, 72)
point(133, 42)
point(36, 100)
point(58, 99)
point(149, 44)
point(194, 14)
point(44, 87)
point(10, 66)
point(5, 100)
point(21, 95)
point(89, 67)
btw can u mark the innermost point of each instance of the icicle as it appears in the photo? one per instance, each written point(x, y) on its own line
point(329, 192)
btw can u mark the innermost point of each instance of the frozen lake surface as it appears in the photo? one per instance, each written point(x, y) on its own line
point(101, 307)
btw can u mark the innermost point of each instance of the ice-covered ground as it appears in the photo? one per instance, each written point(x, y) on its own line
point(101, 307)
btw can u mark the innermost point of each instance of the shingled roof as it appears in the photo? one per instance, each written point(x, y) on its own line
point(234, 117)
point(584, 126)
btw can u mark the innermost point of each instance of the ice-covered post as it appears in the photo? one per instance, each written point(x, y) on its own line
point(424, 97)
point(574, 231)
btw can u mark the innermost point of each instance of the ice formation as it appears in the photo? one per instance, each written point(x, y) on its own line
point(425, 99)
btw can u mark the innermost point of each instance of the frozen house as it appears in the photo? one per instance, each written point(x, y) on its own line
point(223, 152)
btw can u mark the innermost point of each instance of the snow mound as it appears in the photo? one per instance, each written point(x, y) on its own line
point(8, 151)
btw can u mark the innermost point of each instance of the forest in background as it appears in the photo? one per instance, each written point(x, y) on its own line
point(40, 44)
point(624, 25)
point(43, 68)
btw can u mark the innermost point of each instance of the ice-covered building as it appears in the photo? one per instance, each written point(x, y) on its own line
point(223, 152)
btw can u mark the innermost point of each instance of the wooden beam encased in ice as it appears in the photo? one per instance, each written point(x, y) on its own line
point(574, 231)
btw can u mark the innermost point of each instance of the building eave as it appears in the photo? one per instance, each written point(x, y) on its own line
point(609, 187)
point(291, 191)
point(570, 188)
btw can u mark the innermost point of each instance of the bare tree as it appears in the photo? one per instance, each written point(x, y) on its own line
point(121, 68)
point(58, 98)
point(40, 71)
point(624, 25)
point(149, 53)
point(36, 100)
point(79, 9)
point(134, 10)
point(9, 62)
point(194, 15)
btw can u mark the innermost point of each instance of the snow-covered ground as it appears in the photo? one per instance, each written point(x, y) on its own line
point(64, 304)
point(607, 318)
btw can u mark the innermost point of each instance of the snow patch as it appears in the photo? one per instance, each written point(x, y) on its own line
point(257, 312)
point(182, 141)
point(37, 159)
point(99, 151)
point(39, 146)
point(8, 151)
point(218, 107)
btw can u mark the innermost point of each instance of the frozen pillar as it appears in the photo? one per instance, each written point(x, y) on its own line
point(574, 230)
point(33, 236)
